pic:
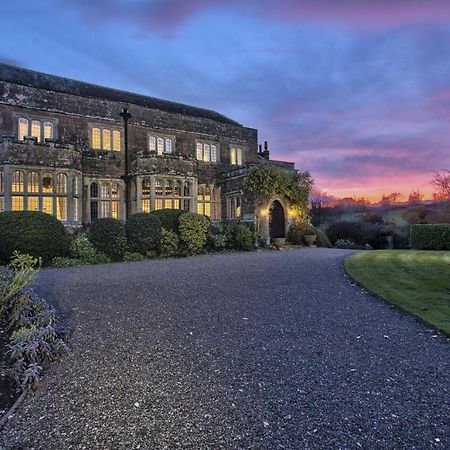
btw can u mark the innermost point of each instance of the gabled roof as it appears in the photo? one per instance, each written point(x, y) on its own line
point(26, 77)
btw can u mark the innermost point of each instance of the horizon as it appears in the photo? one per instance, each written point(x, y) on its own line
point(359, 95)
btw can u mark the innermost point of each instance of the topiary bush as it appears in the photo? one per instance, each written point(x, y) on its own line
point(168, 245)
point(298, 230)
point(169, 218)
point(108, 237)
point(193, 228)
point(34, 233)
point(430, 237)
point(143, 232)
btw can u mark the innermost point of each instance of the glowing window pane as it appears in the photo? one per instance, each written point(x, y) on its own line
point(238, 206)
point(61, 183)
point(177, 188)
point(61, 208)
point(22, 128)
point(213, 153)
point(158, 203)
point(96, 140)
point(177, 204)
point(206, 152)
point(94, 190)
point(47, 205)
point(106, 190)
point(207, 210)
point(47, 183)
point(207, 194)
point(160, 146)
point(152, 143)
point(146, 187)
point(76, 186)
point(146, 205)
point(36, 129)
point(200, 194)
point(168, 145)
point(233, 156)
point(200, 208)
point(200, 151)
point(158, 188)
point(17, 203)
point(106, 139)
point(116, 140)
point(168, 203)
point(239, 157)
point(48, 130)
point(115, 209)
point(75, 210)
point(168, 188)
point(114, 190)
point(17, 181)
point(33, 182)
point(106, 211)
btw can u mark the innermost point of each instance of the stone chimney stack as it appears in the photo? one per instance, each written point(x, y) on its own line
point(266, 153)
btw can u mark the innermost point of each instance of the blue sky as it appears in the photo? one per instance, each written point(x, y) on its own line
point(357, 92)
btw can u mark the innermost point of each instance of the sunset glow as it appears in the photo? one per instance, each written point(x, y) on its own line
point(357, 93)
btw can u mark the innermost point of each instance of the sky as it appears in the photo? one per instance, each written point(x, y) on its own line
point(357, 92)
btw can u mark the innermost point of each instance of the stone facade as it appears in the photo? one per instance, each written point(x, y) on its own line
point(62, 152)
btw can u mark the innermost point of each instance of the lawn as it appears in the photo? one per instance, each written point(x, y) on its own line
point(417, 281)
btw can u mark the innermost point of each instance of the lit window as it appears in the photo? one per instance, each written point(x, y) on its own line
point(17, 181)
point(115, 209)
point(106, 208)
point(239, 157)
point(96, 139)
point(234, 206)
point(47, 205)
point(158, 188)
point(61, 183)
point(116, 140)
point(94, 202)
point(61, 208)
point(152, 143)
point(206, 152)
point(200, 152)
point(48, 130)
point(208, 202)
point(168, 185)
point(33, 182)
point(106, 190)
point(22, 129)
point(47, 183)
point(106, 139)
point(33, 203)
point(160, 146)
point(114, 190)
point(213, 153)
point(36, 129)
point(158, 203)
point(146, 187)
point(17, 203)
point(75, 210)
point(233, 160)
point(76, 186)
point(168, 145)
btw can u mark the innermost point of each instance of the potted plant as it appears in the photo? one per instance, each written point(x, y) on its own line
point(310, 238)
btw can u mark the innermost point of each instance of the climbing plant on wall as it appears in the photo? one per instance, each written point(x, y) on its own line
point(266, 182)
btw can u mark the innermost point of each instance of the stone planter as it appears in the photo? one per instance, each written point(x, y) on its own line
point(279, 242)
point(310, 239)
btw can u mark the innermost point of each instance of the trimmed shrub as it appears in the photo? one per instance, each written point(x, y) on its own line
point(108, 237)
point(63, 261)
point(216, 238)
point(238, 236)
point(430, 237)
point(34, 233)
point(169, 218)
point(81, 248)
point(168, 245)
point(360, 233)
point(193, 228)
point(349, 245)
point(130, 257)
point(143, 232)
point(298, 230)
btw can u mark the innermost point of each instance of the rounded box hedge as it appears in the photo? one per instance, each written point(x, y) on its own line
point(108, 237)
point(143, 232)
point(430, 236)
point(35, 233)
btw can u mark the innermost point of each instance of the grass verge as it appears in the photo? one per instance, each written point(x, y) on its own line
point(416, 281)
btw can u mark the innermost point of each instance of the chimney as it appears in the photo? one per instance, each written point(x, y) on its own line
point(266, 153)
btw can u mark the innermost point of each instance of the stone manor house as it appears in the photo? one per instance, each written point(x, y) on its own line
point(80, 152)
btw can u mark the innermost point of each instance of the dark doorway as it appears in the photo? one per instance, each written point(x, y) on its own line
point(277, 220)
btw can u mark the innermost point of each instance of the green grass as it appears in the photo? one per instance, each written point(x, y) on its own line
point(417, 281)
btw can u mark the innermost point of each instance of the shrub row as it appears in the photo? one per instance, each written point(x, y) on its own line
point(430, 237)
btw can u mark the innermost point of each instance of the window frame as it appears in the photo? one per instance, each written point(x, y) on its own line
point(205, 149)
point(160, 144)
point(106, 134)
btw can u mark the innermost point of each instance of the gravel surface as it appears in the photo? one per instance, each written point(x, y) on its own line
point(266, 350)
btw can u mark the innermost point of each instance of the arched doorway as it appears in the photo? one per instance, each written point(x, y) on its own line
point(276, 220)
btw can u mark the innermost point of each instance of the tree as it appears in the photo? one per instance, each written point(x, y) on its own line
point(441, 180)
point(415, 196)
point(391, 198)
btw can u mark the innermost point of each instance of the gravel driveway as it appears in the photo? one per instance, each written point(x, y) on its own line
point(264, 350)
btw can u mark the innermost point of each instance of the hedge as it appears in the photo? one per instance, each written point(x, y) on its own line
point(298, 230)
point(430, 237)
point(32, 232)
point(143, 233)
point(169, 218)
point(108, 237)
point(193, 228)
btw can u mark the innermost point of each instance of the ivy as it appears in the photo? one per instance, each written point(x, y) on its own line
point(266, 182)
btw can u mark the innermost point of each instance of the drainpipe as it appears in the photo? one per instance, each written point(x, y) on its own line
point(126, 177)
